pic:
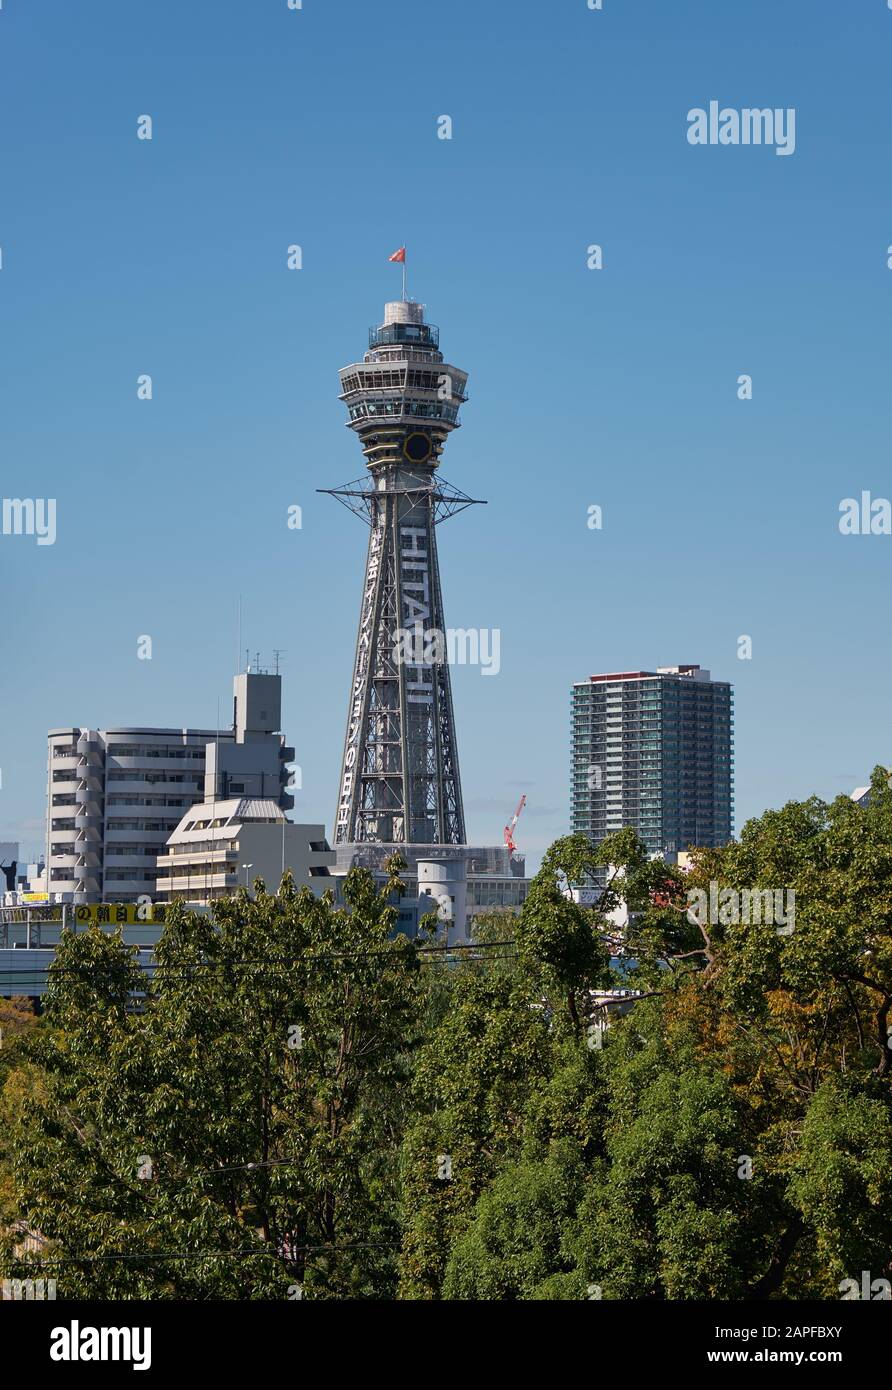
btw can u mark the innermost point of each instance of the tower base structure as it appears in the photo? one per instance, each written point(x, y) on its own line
point(492, 879)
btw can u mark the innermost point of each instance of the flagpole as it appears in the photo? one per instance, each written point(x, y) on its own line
point(405, 253)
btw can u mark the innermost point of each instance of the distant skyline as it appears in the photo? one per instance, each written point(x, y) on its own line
point(615, 388)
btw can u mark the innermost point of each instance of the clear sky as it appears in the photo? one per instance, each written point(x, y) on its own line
point(615, 387)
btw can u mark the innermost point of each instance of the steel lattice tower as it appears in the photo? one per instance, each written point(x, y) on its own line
point(399, 776)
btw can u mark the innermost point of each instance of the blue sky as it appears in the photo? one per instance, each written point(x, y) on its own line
point(615, 387)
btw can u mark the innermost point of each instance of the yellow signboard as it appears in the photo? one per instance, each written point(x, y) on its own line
point(35, 897)
point(118, 914)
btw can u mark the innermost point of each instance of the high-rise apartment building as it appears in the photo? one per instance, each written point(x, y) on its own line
point(653, 750)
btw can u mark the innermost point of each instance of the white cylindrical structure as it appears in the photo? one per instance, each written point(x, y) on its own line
point(403, 311)
point(446, 881)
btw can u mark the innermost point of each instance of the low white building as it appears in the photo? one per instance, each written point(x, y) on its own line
point(220, 845)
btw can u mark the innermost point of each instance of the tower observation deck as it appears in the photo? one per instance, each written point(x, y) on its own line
point(400, 781)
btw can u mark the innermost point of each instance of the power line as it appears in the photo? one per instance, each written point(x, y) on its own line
point(265, 962)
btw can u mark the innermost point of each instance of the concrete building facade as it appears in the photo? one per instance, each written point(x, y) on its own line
point(221, 845)
point(115, 796)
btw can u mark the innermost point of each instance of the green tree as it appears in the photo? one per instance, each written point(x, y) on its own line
point(246, 1116)
point(298, 1099)
point(17, 1019)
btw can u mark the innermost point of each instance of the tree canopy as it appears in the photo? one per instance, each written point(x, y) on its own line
point(297, 1102)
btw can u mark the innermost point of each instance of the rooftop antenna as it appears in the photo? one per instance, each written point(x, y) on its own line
point(238, 645)
point(277, 652)
point(209, 896)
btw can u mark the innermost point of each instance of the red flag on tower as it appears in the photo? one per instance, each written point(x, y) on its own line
point(400, 257)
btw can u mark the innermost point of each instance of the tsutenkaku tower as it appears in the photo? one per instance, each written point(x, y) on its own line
point(399, 775)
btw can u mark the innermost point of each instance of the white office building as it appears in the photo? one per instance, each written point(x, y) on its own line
point(115, 796)
point(220, 845)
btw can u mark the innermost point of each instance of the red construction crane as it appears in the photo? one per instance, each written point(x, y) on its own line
point(509, 829)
